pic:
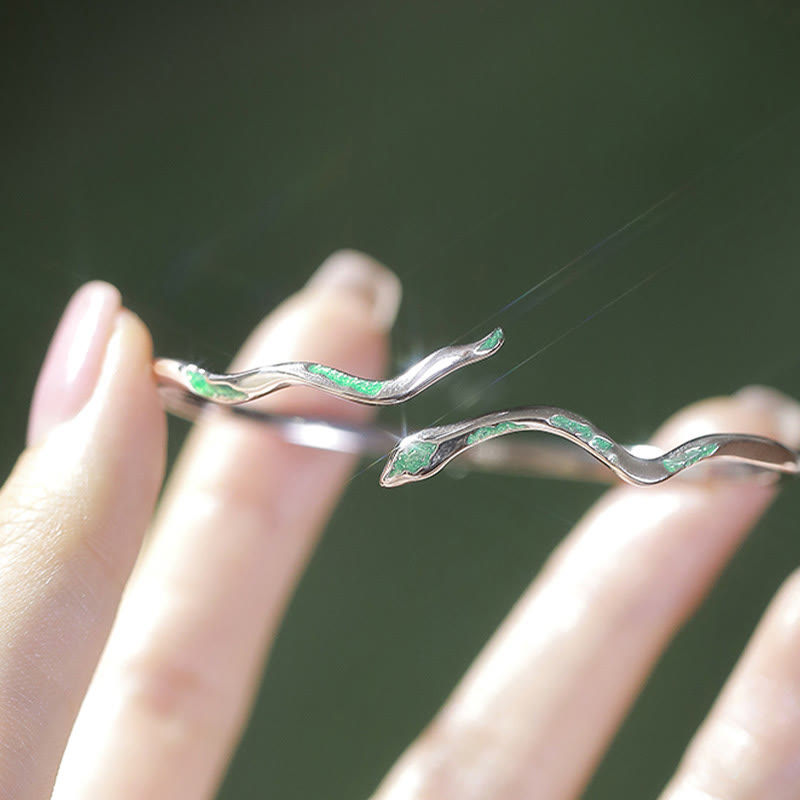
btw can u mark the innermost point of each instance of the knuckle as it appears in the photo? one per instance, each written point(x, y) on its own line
point(176, 691)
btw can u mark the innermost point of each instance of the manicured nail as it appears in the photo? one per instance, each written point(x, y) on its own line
point(74, 358)
point(782, 408)
point(377, 287)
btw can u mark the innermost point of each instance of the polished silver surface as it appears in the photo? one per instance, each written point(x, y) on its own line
point(187, 389)
point(241, 387)
point(319, 434)
point(557, 459)
point(424, 453)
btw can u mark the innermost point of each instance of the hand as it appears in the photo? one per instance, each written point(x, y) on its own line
point(537, 709)
point(237, 522)
point(179, 666)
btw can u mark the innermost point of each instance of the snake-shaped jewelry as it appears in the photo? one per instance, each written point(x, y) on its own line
point(187, 387)
point(424, 453)
point(241, 387)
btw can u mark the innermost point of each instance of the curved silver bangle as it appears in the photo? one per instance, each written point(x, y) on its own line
point(761, 459)
point(426, 452)
point(187, 388)
point(241, 387)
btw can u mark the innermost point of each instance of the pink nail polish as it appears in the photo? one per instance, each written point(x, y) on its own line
point(74, 358)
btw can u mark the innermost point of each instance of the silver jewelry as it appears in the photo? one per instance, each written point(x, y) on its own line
point(187, 389)
point(241, 387)
point(424, 453)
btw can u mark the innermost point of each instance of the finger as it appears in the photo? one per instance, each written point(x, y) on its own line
point(72, 516)
point(538, 707)
point(238, 522)
point(748, 747)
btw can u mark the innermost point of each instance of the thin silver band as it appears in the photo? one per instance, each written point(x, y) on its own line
point(236, 388)
point(424, 453)
point(552, 458)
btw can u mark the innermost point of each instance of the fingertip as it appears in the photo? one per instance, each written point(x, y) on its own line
point(125, 410)
point(74, 358)
point(760, 410)
point(135, 349)
point(782, 409)
point(374, 286)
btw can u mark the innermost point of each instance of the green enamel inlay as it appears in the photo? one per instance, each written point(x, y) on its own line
point(346, 381)
point(689, 457)
point(480, 434)
point(413, 458)
point(203, 387)
point(600, 443)
point(491, 341)
point(580, 429)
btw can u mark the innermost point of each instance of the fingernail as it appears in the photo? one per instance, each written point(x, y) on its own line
point(74, 358)
point(360, 276)
point(784, 410)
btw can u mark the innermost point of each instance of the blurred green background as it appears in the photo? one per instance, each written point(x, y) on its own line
point(206, 157)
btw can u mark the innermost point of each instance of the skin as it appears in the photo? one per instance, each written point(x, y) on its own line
point(133, 640)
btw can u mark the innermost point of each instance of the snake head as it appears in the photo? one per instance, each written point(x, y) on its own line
point(410, 460)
